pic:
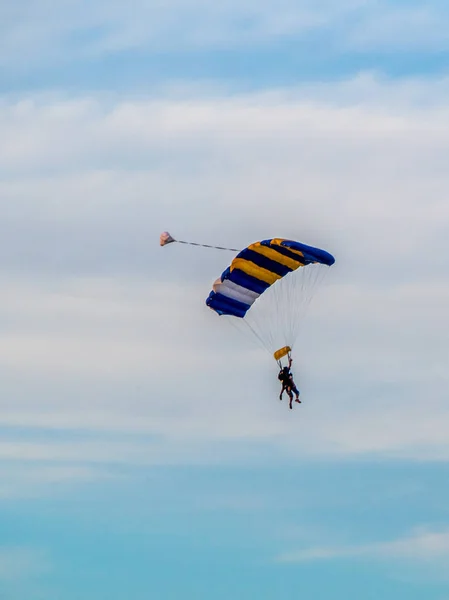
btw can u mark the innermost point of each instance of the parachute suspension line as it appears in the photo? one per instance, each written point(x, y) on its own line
point(258, 336)
point(313, 277)
point(237, 326)
point(304, 288)
point(276, 317)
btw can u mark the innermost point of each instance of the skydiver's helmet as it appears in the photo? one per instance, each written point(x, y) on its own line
point(285, 370)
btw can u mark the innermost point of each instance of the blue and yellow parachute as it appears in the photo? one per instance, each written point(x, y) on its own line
point(267, 286)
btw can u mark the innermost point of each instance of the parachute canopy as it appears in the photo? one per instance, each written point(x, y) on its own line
point(258, 267)
point(267, 289)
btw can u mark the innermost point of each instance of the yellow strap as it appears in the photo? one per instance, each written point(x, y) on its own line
point(282, 352)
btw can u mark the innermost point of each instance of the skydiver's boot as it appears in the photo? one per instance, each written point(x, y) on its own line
point(291, 400)
point(297, 400)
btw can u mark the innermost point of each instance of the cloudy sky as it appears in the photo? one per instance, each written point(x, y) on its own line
point(143, 449)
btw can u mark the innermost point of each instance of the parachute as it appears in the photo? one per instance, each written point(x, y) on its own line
point(267, 288)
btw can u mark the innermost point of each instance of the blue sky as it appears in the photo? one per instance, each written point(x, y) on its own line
point(143, 450)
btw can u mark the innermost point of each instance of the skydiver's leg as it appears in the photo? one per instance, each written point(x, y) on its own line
point(290, 395)
point(282, 391)
point(295, 389)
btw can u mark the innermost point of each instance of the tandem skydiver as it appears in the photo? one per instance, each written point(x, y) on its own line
point(286, 378)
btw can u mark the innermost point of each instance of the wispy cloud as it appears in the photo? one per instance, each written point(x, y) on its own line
point(39, 31)
point(35, 478)
point(107, 332)
point(422, 546)
point(132, 418)
point(46, 34)
point(116, 162)
point(385, 26)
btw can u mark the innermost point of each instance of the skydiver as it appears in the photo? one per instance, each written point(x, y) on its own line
point(286, 377)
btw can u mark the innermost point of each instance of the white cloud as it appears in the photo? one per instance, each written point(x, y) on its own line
point(105, 331)
point(422, 546)
point(41, 33)
point(135, 165)
point(386, 27)
point(33, 478)
point(36, 31)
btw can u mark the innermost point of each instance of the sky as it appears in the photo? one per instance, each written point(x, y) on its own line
point(143, 450)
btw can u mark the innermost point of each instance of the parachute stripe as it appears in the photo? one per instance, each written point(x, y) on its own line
point(283, 251)
point(266, 263)
point(296, 248)
point(251, 283)
point(226, 306)
point(255, 271)
point(232, 290)
point(236, 293)
point(284, 258)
